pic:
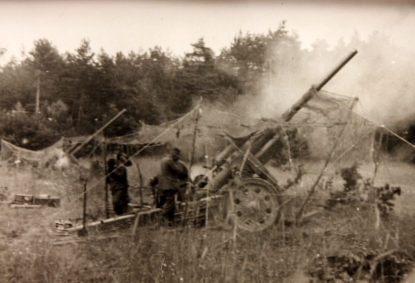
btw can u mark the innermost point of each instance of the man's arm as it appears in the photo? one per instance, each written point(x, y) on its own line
point(119, 174)
point(175, 168)
point(184, 173)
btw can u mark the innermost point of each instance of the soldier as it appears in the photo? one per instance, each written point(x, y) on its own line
point(172, 180)
point(118, 182)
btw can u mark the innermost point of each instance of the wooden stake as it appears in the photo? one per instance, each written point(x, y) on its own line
point(104, 153)
point(85, 206)
point(37, 108)
point(375, 159)
point(192, 157)
point(84, 231)
point(141, 184)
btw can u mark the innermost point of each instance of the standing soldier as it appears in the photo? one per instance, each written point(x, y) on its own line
point(173, 180)
point(118, 182)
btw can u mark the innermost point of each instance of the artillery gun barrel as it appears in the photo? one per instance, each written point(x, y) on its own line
point(221, 157)
point(287, 116)
point(262, 145)
point(323, 82)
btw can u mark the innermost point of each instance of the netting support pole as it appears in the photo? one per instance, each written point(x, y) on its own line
point(84, 231)
point(375, 158)
point(141, 184)
point(75, 148)
point(37, 108)
point(104, 155)
point(192, 155)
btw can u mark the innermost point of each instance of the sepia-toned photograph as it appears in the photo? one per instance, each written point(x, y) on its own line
point(207, 141)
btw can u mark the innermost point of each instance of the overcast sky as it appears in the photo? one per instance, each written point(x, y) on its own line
point(138, 25)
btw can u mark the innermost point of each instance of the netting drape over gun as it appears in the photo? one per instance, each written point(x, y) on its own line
point(322, 119)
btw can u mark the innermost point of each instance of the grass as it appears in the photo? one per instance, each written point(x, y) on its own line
point(322, 249)
point(187, 255)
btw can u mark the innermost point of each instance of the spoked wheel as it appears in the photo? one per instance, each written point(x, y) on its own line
point(255, 204)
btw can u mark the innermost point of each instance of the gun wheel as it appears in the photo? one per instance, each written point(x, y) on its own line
point(254, 204)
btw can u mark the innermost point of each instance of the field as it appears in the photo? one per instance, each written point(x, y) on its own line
point(340, 244)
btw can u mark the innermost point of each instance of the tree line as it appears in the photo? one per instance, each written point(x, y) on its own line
point(48, 95)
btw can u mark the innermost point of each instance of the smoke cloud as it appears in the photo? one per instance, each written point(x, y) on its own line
point(381, 75)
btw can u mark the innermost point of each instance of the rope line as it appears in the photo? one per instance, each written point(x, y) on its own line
point(388, 130)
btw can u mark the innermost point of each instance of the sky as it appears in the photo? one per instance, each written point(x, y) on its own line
point(139, 25)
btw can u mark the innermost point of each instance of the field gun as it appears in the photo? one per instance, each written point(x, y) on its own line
point(254, 193)
point(240, 179)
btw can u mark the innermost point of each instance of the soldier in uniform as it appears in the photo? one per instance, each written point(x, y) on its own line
point(173, 180)
point(118, 182)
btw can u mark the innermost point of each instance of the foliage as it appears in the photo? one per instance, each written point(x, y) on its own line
point(353, 188)
point(290, 146)
point(22, 130)
point(359, 264)
point(351, 177)
point(353, 251)
point(385, 197)
point(155, 86)
point(356, 191)
point(251, 56)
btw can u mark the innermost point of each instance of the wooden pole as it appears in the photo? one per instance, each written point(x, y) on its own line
point(37, 94)
point(375, 158)
point(313, 188)
point(141, 184)
point(104, 154)
point(192, 156)
point(85, 206)
point(80, 102)
point(84, 231)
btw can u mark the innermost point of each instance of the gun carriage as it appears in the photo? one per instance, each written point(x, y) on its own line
point(253, 194)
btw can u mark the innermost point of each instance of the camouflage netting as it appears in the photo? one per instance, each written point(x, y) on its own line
point(15, 155)
point(211, 127)
point(327, 119)
point(329, 123)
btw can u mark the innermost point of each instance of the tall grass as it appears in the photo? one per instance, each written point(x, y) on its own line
point(321, 249)
point(191, 254)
